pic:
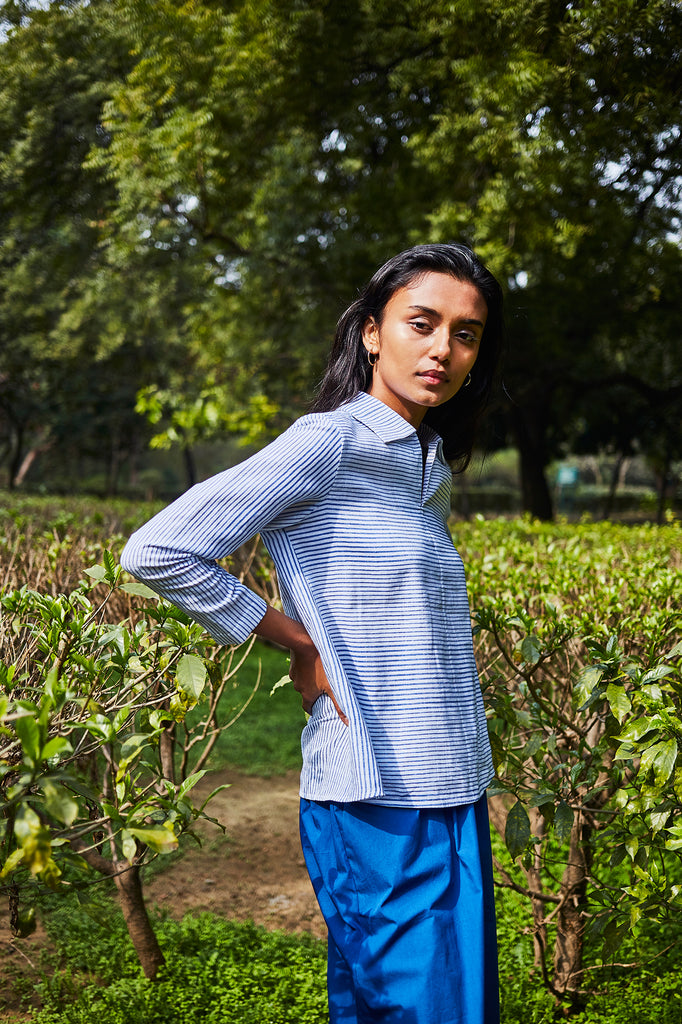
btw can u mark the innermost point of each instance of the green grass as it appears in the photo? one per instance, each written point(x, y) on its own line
point(222, 972)
point(216, 972)
point(74, 514)
point(266, 738)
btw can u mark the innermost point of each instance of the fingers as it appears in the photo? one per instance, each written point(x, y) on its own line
point(308, 702)
point(311, 682)
point(340, 713)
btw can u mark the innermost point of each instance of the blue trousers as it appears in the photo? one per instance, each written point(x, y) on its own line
point(407, 896)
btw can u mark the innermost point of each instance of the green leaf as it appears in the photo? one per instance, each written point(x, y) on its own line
point(111, 567)
point(658, 819)
point(533, 745)
point(28, 731)
point(133, 745)
point(634, 730)
point(619, 701)
point(498, 751)
point(613, 937)
point(214, 792)
point(659, 672)
point(588, 679)
point(190, 782)
point(531, 651)
point(191, 675)
point(56, 746)
point(664, 761)
point(517, 830)
point(59, 803)
point(97, 572)
point(661, 758)
point(284, 681)
point(563, 821)
point(101, 727)
point(128, 845)
point(539, 799)
point(15, 858)
point(139, 590)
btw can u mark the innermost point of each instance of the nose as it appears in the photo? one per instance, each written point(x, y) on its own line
point(440, 345)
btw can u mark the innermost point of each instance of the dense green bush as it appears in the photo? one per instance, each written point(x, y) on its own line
point(578, 645)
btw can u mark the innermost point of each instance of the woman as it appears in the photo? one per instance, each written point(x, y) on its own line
point(352, 504)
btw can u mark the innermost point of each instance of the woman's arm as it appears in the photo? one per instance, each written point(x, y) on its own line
point(176, 552)
point(306, 671)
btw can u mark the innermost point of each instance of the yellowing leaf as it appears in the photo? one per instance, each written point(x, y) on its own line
point(191, 675)
point(160, 840)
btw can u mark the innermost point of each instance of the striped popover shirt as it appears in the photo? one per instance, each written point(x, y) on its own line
point(355, 519)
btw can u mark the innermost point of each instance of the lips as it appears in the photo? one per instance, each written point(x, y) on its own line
point(434, 377)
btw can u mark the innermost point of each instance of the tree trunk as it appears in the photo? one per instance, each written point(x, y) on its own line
point(529, 431)
point(113, 462)
point(16, 456)
point(663, 486)
point(167, 752)
point(534, 877)
point(145, 942)
point(570, 938)
point(42, 445)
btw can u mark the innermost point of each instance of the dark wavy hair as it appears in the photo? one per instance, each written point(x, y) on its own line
point(349, 372)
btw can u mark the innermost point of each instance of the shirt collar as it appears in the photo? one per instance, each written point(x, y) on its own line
point(385, 422)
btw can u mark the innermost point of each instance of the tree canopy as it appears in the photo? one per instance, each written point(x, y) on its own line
point(192, 192)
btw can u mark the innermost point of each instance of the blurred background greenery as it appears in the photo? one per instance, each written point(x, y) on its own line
point(191, 193)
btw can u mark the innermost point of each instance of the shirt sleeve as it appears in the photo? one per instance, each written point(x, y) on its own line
point(175, 552)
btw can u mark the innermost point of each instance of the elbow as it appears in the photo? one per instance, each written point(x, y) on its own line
point(149, 561)
point(133, 557)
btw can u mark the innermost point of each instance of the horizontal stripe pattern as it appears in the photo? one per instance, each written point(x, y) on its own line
point(357, 529)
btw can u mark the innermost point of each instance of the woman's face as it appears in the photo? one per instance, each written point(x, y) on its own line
point(427, 343)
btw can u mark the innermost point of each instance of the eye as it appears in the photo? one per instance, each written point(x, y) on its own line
point(467, 337)
point(423, 326)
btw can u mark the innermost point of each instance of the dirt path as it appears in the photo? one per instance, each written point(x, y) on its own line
point(254, 871)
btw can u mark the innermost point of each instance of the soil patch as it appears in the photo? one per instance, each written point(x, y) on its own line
point(255, 871)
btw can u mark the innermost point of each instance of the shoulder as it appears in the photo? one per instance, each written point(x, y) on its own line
point(311, 448)
point(328, 430)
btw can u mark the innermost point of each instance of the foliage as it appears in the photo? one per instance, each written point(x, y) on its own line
point(577, 640)
point(96, 760)
point(222, 180)
point(59, 391)
point(578, 643)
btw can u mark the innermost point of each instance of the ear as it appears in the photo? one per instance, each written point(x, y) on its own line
point(370, 335)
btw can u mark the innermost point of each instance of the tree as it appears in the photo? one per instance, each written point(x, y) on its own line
point(577, 641)
point(263, 158)
point(97, 760)
point(544, 133)
point(74, 351)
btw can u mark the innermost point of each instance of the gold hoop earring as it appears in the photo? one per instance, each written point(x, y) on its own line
point(372, 362)
point(467, 382)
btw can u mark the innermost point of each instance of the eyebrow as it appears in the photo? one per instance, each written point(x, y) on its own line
point(434, 312)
